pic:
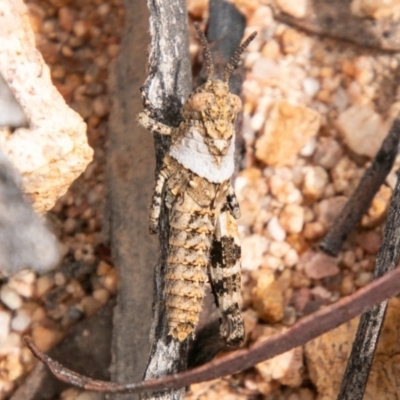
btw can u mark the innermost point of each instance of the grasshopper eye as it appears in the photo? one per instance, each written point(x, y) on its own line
point(201, 101)
point(235, 102)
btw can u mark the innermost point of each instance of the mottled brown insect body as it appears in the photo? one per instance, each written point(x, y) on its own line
point(194, 183)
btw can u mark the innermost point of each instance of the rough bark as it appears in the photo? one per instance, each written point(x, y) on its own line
point(167, 87)
point(130, 181)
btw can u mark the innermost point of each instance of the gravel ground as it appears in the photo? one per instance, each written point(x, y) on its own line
point(79, 40)
point(315, 111)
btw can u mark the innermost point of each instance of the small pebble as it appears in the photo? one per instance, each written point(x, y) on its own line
point(103, 268)
point(349, 258)
point(311, 86)
point(315, 181)
point(265, 69)
point(101, 106)
point(39, 314)
point(328, 152)
point(321, 266)
point(289, 317)
point(5, 318)
point(275, 230)
point(10, 297)
point(309, 148)
point(278, 249)
point(80, 28)
point(101, 295)
point(314, 230)
point(268, 297)
point(110, 281)
point(291, 41)
point(90, 305)
point(271, 262)
point(363, 129)
point(89, 396)
point(70, 225)
point(11, 344)
point(321, 293)
point(363, 278)
point(271, 50)
point(20, 322)
point(291, 258)
point(253, 249)
point(103, 9)
point(300, 298)
point(295, 8)
point(45, 338)
point(70, 394)
point(23, 283)
point(14, 367)
point(370, 241)
point(328, 210)
point(59, 279)
point(292, 218)
point(66, 18)
point(347, 287)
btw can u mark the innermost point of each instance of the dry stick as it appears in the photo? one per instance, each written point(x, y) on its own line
point(362, 197)
point(362, 352)
point(306, 329)
point(335, 19)
point(166, 88)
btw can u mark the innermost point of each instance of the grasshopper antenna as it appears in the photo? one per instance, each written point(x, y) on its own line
point(206, 51)
point(234, 61)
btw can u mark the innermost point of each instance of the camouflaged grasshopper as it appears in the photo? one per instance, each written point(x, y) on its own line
point(194, 182)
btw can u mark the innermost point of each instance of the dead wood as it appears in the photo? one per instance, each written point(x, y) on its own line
point(166, 88)
point(335, 19)
point(362, 353)
point(362, 197)
point(306, 329)
point(129, 182)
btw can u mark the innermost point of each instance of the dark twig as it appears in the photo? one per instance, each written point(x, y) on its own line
point(362, 197)
point(335, 19)
point(362, 353)
point(306, 329)
point(129, 182)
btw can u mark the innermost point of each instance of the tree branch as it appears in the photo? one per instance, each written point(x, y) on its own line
point(167, 87)
point(129, 184)
point(362, 197)
point(306, 329)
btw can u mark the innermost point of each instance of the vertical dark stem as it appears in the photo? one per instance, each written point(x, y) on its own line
point(129, 182)
point(362, 197)
point(362, 353)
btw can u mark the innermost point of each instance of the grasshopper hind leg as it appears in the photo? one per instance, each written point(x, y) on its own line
point(225, 278)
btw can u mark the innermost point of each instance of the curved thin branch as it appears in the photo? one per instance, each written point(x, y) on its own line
point(306, 329)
